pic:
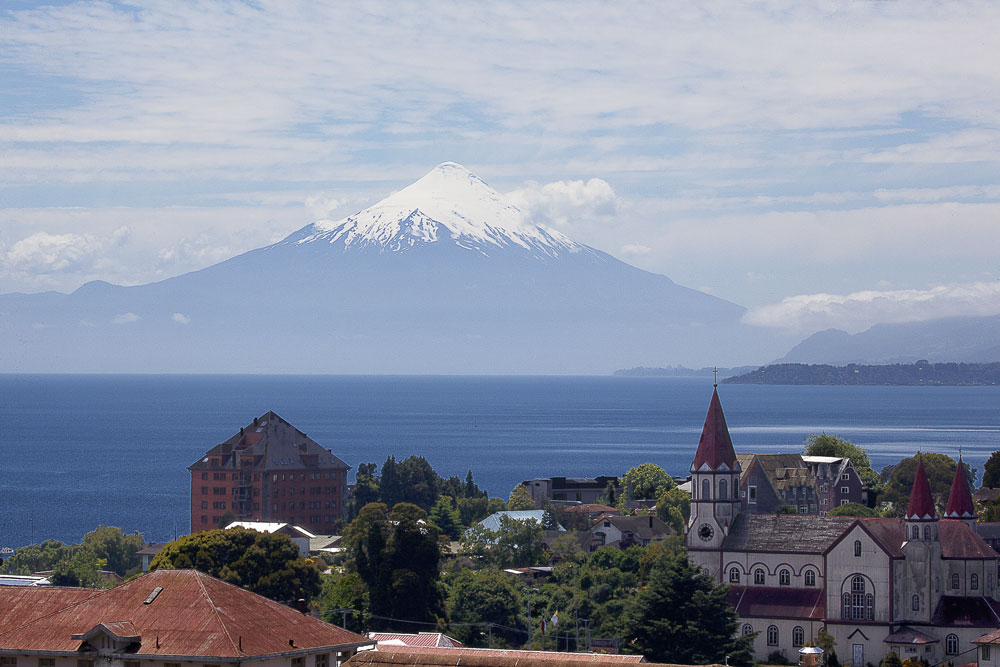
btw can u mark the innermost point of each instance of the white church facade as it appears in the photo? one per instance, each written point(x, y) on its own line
point(923, 586)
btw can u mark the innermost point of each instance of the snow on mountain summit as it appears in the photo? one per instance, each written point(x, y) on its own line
point(449, 202)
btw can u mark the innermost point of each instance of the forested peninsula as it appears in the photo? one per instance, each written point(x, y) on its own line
point(917, 374)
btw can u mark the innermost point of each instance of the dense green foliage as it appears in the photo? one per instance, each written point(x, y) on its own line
point(486, 596)
point(991, 471)
point(516, 543)
point(520, 499)
point(673, 507)
point(396, 556)
point(919, 374)
point(852, 509)
point(682, 616)
point(827, 444)
point(646, 481)
point(106, 548)
point(264, 563)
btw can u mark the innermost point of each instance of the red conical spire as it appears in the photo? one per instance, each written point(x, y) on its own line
point(715, 446)
point(921, 506)
point(960, 499)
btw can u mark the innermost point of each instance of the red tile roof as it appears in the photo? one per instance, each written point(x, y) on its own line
point(921, 507)
point(904, 634)
point(760, 601)
point(889, 533)
point(23, 604)
point(192, 615)
point(960, 499)
point(958, 540)
point(484, 657)
point(715, 447)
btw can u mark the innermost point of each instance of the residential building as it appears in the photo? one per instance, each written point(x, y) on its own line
point(297, 534)
point(624, 531)
point(163, 619)
point(923, 585)
point(148, 553)
point(269, 471)
point(569, 489)
point(807, 484)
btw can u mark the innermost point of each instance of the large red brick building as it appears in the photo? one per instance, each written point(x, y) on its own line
point(269, 471)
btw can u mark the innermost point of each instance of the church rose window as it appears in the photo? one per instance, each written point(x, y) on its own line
point(772, 635)
point(951, 645)
point(798, 635)
point(810, 578)
point(734, 575)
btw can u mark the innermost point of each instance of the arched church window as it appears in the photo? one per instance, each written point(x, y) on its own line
point(747, 629)
point(870, 607)
point(723, 489)
point(951, 644)
point(954, 581)
point(846, 615)
point(706, 489)
point(858, 584)
point(927, 533)
point(859, 605)
point(916, 532)
point(734, 575)
point(758, 576)
point(916, 603)
point(974, 582)
point(784, 578)
point(798, 636)
point(772, 635)
point(857, 547)
point(810, 578)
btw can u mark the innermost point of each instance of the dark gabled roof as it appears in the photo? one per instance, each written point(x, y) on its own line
point(794, 533)
point(647, 527)
point(960, 499)
point(269, 442)
point(958, 540)
point(888, 533)
point(904, 634)
point(954, 611)
point(783, 471)
point(921, 507)
point(192, 614)
point(766, 602)
point(715, 448)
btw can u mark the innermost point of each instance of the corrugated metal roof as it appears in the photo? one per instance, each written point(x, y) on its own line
point(432, 639)
point(766, 602)
point(193, 615)
point(484, 657)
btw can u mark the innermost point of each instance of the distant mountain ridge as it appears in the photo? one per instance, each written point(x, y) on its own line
point(952, 339)
point(443, 276)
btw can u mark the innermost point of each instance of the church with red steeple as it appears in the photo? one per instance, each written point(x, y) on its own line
point(924, 585)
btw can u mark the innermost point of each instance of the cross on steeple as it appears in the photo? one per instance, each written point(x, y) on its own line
point(715, 372)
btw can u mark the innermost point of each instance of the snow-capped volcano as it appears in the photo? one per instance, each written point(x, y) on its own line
point(449, 203)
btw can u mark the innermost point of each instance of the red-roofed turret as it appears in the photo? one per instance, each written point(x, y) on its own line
point(960, 499)
point(715, 448)
point(921, 507)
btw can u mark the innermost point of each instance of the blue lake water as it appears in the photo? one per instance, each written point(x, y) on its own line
point(78, 451)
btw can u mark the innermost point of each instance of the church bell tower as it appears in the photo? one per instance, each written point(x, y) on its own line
point(715, 488)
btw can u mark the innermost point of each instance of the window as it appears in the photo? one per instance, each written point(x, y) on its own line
point(298, 662)
point(784, 578)
point(747, 629)
point(706, 489)
point(204, 504)
point(845, 490)
point(772, 635)
point(974, 582)
point(846, 476)
point(927, 533)
point(8, 661)
point(916, 603)
point(218, 490)
point(798, 636)
point(46, 662)
point(986, 652)
point(951, 644)
point(204, 490)
point(822, 501)
point(916, 532)
point(858, 605)
point(204, 519)
point(204, 475)
point(323, 660)
point(131, 663)
point(810, 578)
point(954, 581)
point(844, 501)
point(723, 489)
point(752, 494)
point(734, 575)
point(84, 663)
point(857, 548)
point(758, 576)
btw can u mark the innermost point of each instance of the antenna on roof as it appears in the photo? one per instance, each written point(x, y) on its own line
point(715, 382)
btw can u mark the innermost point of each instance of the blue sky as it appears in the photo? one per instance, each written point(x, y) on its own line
point(835, 164)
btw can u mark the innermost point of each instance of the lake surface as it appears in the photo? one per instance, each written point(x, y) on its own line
point(78, 451)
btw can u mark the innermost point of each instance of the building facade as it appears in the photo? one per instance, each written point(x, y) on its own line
point(807, 484)
point(923, 586)
point(269, 471)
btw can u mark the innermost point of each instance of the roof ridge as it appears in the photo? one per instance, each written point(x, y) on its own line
point(215, 610)
point(97, 592)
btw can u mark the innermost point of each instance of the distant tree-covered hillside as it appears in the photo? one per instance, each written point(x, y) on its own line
point(920, 373)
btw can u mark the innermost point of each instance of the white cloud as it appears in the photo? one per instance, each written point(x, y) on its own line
point(43, 252)
point(859, 311)
point(125, 318)
point(635, 250)
point(322, 205)
point(181, 318)
point(562, 202)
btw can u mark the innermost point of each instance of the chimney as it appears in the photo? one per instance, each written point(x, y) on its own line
point(302, 606)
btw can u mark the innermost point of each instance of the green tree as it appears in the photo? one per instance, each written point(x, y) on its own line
point(265, 563)
point(991, 471)
point(345, 592)
point(79, 570)
point(673, 507)
point(827, 444)
point(484, 597)
point(446, 517)
point(366, 488)
point(940, 469)
point(852, 509)
point(520, 499)
point(516, 543)
point(683, 617)
point(119, 551)
point(646, 481)
point(37, 557)
point(471, 510)
point(891, 659)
